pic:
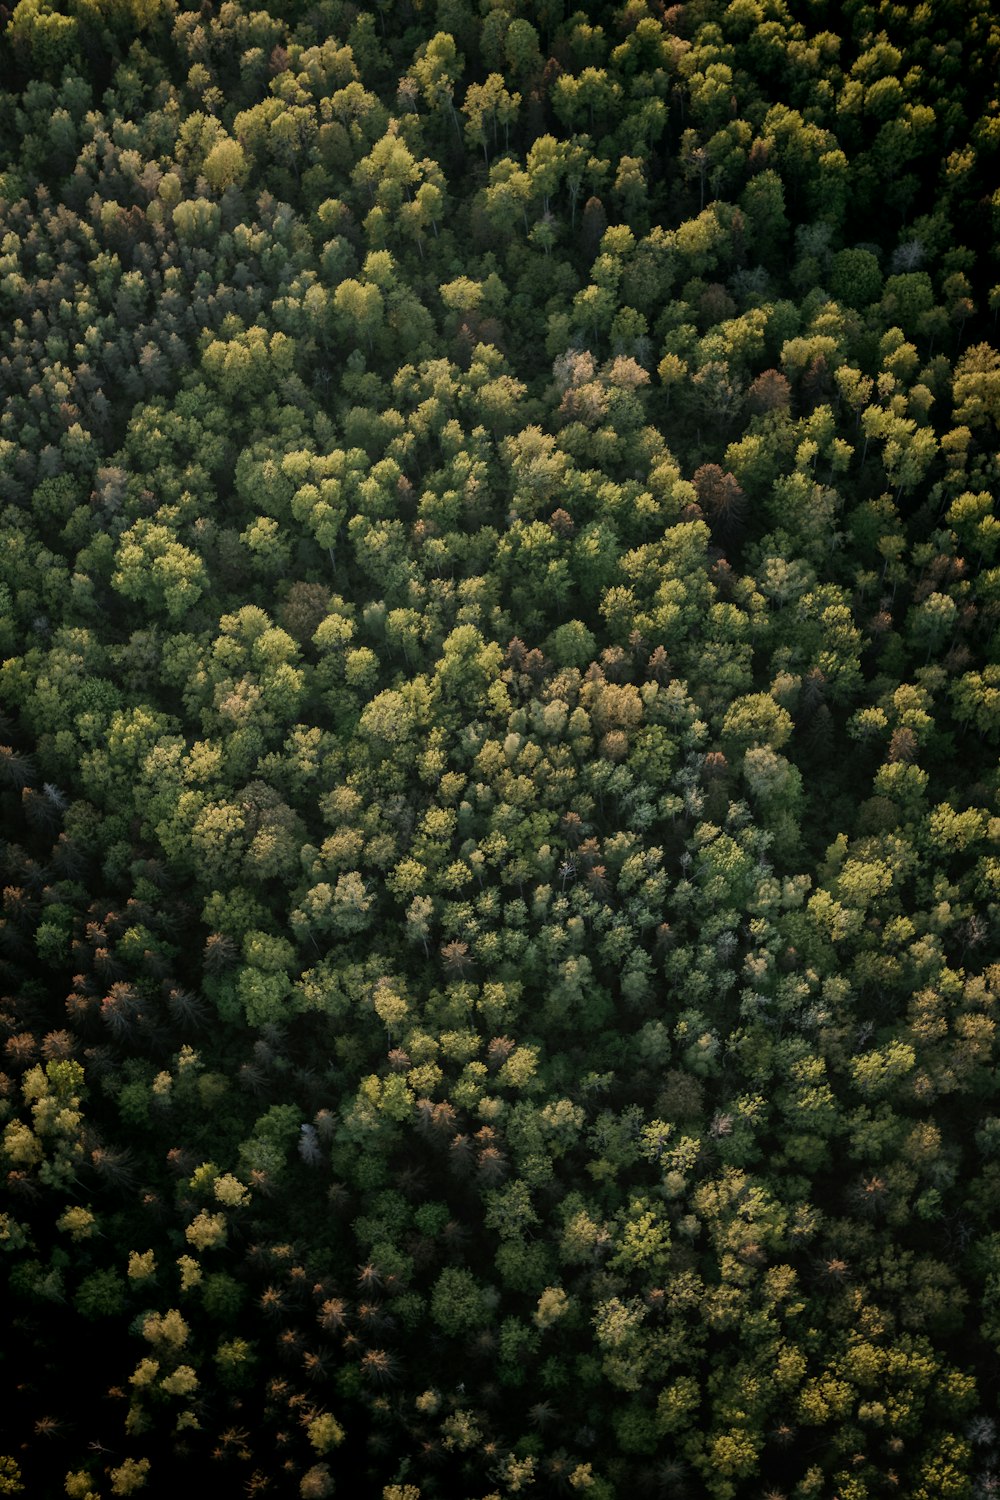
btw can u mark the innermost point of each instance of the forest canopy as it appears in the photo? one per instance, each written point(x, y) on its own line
point(499, 719)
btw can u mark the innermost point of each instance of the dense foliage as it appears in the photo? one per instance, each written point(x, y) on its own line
point(501, 688)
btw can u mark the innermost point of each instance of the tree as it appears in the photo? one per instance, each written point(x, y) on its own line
point(226, 165)
point(756, 719)
point(388, 172)
point(459, 1303)
point(763, 203)
point(522, 52)
point(589, 97)
point(857, 278)
point(436, 67)
point(153, 567)
point(722, 500)
point(360, 308)
point(977, 387)
point(488, 107)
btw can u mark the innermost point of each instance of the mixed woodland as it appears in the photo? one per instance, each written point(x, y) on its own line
point(499, 797)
